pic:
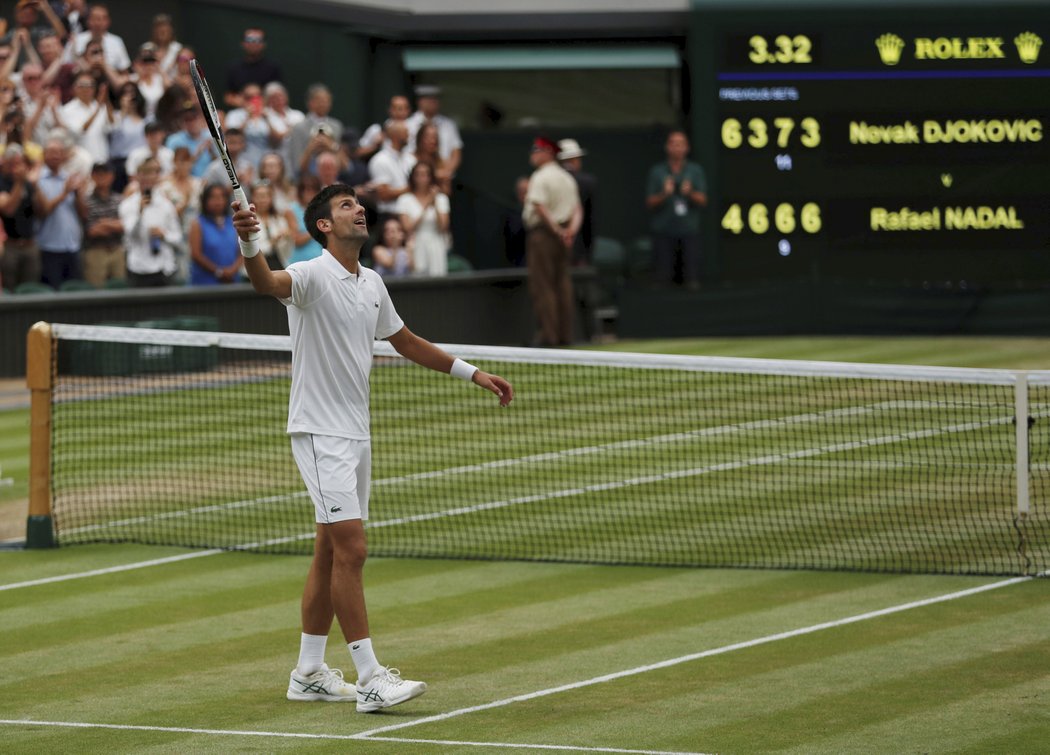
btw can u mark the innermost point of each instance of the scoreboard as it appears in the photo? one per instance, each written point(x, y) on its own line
point(878, 146)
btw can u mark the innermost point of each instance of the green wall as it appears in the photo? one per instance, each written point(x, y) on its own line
point(308, 51)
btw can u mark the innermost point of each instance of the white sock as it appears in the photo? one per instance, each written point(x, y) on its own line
point(364, 659)
point(311, 653)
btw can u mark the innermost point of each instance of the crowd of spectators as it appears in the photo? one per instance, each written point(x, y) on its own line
point(108, 176)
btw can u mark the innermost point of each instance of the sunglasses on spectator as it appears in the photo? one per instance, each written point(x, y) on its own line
point(253, 38)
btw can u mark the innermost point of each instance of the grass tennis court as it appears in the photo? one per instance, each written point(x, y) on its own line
point(524, 657)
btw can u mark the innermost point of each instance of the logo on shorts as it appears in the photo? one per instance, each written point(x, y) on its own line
point(377, 305)
point(334, 509)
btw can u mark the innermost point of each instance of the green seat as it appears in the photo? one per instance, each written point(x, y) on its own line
point(31, 287)
point(610, 263)
point(75, 285)
point(640, 260)
point(459, 264)
point(117, 283)
point(609, 257)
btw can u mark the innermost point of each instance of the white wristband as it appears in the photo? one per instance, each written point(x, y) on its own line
point(248, 248)
point(463, 370)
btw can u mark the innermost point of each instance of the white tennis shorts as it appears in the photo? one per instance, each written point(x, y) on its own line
point(337, 473)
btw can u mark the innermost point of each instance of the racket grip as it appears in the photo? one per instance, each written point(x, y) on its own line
point(240, 196)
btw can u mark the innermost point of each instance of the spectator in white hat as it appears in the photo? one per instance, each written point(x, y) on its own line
point(570, 155)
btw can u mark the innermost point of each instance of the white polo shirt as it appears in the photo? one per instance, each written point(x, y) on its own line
point(334, 319)
point(390, 167)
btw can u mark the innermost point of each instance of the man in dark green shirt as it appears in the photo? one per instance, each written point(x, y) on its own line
point(675, 192)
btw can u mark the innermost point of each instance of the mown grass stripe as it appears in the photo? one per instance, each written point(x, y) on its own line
point(703, 654)
point(507, 745)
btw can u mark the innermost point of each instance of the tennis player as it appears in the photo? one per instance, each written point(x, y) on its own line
point(336, 310)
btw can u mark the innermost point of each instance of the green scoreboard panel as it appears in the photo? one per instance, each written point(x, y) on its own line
point(879, 146)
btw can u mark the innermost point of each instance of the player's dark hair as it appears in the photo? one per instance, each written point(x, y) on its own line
point(320, 208)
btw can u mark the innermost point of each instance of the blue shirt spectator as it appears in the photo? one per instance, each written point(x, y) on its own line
point(307, 249)
point(58, 204)
point(195, 137)
point(311, 248)
point(214, 249)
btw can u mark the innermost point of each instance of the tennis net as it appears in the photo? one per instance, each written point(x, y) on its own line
point(178, 438)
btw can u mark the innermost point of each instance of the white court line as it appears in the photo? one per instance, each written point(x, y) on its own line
point(172, 729)
point(111, 569)
point(298, 735)
point(697, 656)
point(156, 562)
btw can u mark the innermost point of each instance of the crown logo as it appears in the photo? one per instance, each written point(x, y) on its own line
point(1028, 45)
point(890, 47)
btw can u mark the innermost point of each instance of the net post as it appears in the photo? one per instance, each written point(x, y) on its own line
point(39, 530)
point(1021, 429)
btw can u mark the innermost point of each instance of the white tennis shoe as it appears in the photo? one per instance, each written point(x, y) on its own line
point(324, 684)
point(385, 689)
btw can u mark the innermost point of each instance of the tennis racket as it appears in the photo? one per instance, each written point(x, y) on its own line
point(211, 117)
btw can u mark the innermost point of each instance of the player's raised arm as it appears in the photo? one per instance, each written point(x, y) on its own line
point(424, 353)
point(264, 280)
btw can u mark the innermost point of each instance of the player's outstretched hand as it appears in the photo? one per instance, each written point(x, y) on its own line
point(245, 221)
point(496, 384)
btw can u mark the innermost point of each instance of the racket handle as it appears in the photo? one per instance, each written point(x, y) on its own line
point(240, 196)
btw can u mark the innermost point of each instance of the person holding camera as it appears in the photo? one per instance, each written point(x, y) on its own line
point(152, 230)
point(317, 132)
point(254, 122)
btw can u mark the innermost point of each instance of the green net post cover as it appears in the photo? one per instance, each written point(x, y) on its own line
point(39, 532)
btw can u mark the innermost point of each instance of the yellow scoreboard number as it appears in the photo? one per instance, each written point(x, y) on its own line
point(780, 49)
point(784, 218)
point(758, 132)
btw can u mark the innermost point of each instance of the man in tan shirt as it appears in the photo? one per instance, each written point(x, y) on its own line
point(552, 216)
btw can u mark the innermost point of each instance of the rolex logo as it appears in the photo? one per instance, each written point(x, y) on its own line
point(890, 47)
point(1028, 45)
